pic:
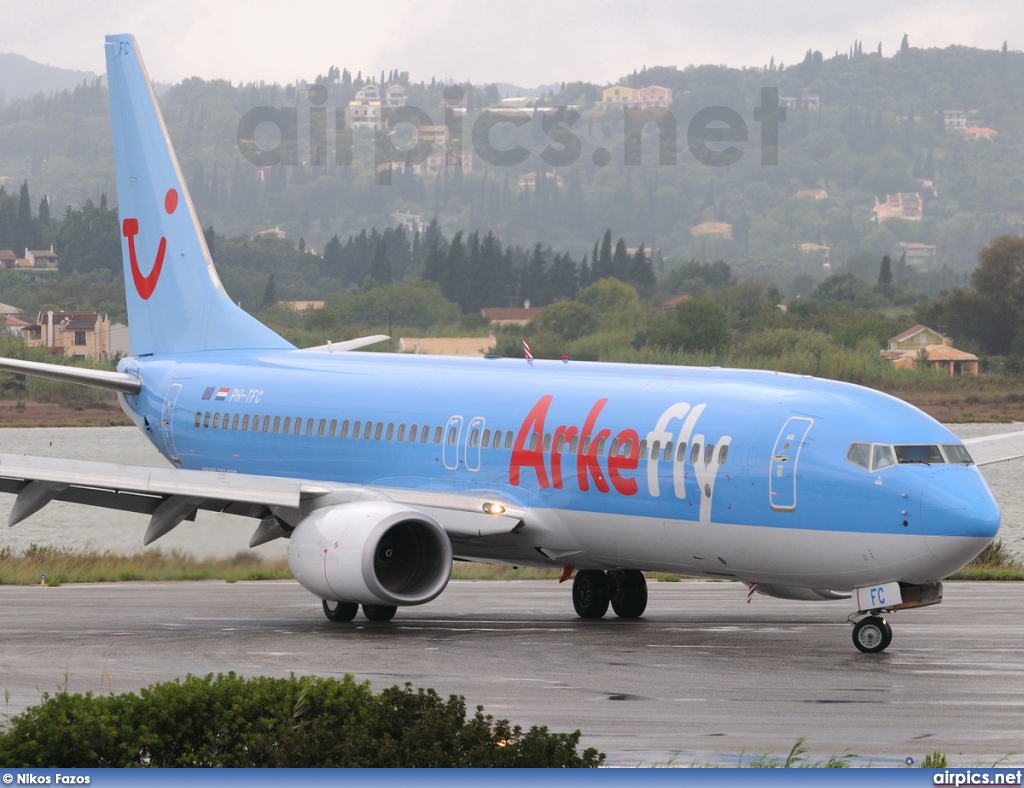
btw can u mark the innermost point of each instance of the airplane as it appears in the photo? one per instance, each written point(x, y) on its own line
point(381, 469)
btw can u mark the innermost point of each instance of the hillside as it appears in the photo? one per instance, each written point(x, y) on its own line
point(859, 127)
point(21, 77)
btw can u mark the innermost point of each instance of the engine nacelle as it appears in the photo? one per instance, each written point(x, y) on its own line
point(371, 552)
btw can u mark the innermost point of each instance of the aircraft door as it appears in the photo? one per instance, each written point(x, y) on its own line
point(450, 443)
point(167, 420)
point(785, 457)
point(474, 439)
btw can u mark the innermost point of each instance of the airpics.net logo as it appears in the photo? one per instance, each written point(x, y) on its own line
point(969, 777)
point(407, 136)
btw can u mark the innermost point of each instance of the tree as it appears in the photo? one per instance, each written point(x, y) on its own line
point(697, 325)
point(269, 293)
point(886, 271)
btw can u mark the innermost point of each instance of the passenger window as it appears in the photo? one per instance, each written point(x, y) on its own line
point(334, 428)
point(344, 429)
point(585, 448)
point(245, 423)
point(266, 423)
point(695, 453)
point(377, 432)
point(322, 428)
point(509, 436)
point(474, 436)
point(655, 450)
point(401, 432)
point(486, 439)
point(366, 430)
point(573, 444)
point(206, 420)
point(216, 420)
point(881, 457)
point(614, 447)
point(627, 450)
point(643, 449)
point(391, 431)
point(451, 436)
point(547, 442)
point(355, 429)
point(860, 455)
point(723, 453)
point(226, 422)
point(234, 422)
point(437, 435)
point(277, 424)
point(298, 424)
point(709, 453)
point(497, 440)
point(413, 432)
point(600, 447)
point(681, 452)
point(668, 452)
point(199, 417)
point(533, 442)
point(287, 425)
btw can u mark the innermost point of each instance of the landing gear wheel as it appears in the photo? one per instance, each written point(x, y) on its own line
point(590, 593)
point(379, 612)
point(628, 592)
point(340, 611)
point(872, 634)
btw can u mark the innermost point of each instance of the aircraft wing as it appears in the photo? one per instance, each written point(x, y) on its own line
point(172, 495)
point(987, 449)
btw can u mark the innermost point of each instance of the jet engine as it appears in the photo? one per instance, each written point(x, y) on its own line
point(372, 553)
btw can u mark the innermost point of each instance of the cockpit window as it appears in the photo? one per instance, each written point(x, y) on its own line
point(875, 456)
point(926, 455)
point(957, 453)
point(881, 457)
point(860, 454)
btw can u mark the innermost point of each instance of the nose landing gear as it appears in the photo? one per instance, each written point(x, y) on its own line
point(872, 634)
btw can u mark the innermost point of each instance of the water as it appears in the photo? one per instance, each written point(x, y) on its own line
point(222, 536)
point(212, 535)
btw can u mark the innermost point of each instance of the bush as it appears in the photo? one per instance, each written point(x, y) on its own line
point(228, 721)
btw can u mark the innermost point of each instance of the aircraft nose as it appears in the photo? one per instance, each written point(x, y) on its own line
point(959, 515)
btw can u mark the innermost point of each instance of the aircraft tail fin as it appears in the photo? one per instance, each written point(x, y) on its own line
point(176, 302)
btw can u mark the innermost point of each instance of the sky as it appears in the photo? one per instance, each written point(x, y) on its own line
point(527, 43)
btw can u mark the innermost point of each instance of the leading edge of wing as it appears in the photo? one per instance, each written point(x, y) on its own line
point(1003, 446)
point(173, 494)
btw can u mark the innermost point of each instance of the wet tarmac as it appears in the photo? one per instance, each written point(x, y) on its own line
point(702, 677)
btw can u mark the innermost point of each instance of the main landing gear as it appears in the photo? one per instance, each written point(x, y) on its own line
point(346, 611)
point(625, 589)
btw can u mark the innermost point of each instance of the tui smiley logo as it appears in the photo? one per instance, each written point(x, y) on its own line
point(145, 285)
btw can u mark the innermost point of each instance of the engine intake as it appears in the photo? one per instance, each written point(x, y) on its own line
point(371, 552)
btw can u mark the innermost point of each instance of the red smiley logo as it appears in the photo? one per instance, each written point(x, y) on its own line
point(145, 285)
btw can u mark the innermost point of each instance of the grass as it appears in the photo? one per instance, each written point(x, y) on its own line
point(53, 566)
point(995, 562)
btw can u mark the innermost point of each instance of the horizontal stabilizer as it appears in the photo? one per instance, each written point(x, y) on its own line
point(97, 378)
point(349, 344)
